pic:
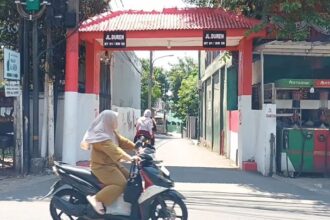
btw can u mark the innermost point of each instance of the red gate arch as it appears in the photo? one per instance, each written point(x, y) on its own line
point(169, 29)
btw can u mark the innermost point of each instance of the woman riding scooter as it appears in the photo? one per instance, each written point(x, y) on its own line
point(144, 127)
point(107, 151)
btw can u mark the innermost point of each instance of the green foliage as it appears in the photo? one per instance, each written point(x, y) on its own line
point(179, 72)
point(9, 21)
point(183, 84)
point(181, 80)
point(90, 8)
point(9, 29)
point(292, 19)
point(187, 104)
point(159, 84)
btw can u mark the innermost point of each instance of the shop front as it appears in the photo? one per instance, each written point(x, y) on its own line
point(293, 78)
point(10, 112)
point(6, 131)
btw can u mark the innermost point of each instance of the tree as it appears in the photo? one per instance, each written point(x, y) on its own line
point(187, 104)
point(9, 21)
point(9, 27)
point(159, 84)
point(179, 72)
point(181, 80)
point(291, 19)
point(183, 84)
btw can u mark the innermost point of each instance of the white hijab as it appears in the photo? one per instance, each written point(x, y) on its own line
point(145, 122)
point(147, 113)
point(101, 129)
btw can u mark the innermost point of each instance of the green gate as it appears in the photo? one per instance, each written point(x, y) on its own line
point(216, 113)
point(208, 111)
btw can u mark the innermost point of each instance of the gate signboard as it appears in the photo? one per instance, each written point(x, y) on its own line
point(114, 39)
point(214, 39)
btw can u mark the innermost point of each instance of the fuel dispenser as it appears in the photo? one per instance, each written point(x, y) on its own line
point(297, 150)
point(322, 138)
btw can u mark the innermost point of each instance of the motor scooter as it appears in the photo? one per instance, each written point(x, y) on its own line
point(153, 194)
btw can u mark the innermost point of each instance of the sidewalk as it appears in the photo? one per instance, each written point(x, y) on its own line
point(317, 185)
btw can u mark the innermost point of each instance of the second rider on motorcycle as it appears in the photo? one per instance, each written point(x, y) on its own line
point(145, 126)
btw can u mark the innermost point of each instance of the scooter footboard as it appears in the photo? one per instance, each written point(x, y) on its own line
point(119, 207)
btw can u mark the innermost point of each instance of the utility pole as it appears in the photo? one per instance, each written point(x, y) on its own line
point(151, 73)
point(26, 99)
point(73, 10)
point(35, 67)
point(47, 137)
point(32, 10)
point(150, 80)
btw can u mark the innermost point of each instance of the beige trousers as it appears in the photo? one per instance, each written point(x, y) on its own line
point(114, 178)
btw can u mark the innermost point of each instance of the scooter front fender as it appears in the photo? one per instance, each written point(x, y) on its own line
point(176, 193)
point(145, 205)
point(54, 188)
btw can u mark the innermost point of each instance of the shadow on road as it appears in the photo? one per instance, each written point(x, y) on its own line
point(266, 185)
point(249, 204)
point(30, 189)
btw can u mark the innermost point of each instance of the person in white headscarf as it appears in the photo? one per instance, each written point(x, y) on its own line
point(107, 151)
point(144, 126)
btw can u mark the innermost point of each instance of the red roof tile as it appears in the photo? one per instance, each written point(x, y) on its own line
point(168, 19)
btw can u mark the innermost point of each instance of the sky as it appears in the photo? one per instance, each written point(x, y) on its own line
point(148, 5)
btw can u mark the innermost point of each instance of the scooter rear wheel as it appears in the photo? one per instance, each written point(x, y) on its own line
point(168, 206)
point(68, 195)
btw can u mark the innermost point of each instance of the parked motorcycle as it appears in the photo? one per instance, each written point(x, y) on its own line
point(150, 194)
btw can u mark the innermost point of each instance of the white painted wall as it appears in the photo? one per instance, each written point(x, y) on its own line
point(232, 141)
point(247, 119)
point(263, 129)
point(88, 110)
point(126, 120)
point(255, 127)
point(125, 80)
point(79, 112)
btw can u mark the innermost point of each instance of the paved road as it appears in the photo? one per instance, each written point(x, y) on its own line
point(214, 189)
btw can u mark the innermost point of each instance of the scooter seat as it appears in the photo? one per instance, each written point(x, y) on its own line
point(83, 173)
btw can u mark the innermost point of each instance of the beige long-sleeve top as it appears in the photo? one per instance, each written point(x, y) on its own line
point(107, 153)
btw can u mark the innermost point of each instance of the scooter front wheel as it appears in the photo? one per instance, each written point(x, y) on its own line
point(70, 196)
point(167, 206)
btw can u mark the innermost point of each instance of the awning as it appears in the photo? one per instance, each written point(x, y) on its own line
point(292, 48)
